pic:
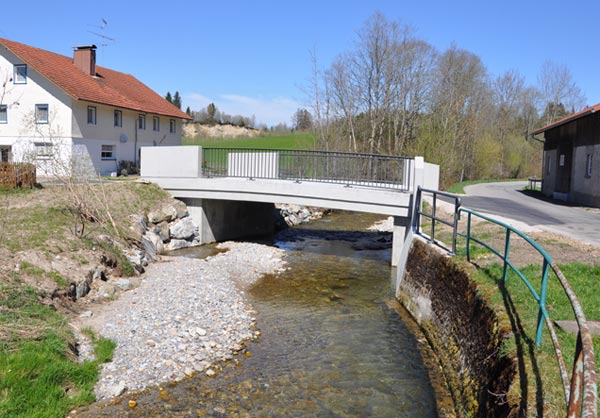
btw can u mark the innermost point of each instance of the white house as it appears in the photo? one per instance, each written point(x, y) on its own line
point(60, 112)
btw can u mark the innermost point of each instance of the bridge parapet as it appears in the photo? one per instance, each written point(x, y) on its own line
point(349, 169)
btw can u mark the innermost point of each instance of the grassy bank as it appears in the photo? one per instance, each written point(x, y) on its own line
point(39, 374)
point(538, 389)
point(43, 249)
point(296, 140)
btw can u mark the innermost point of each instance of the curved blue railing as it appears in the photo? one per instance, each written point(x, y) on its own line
point(581, 390)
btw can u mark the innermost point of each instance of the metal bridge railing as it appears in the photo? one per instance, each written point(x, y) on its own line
point(380, 171)
point(581, 390)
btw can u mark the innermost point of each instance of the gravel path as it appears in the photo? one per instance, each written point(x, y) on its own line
point(186, 315)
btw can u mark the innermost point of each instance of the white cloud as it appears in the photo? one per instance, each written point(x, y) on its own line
point(270, 111)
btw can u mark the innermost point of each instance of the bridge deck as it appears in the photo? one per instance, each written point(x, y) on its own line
point(336, 196)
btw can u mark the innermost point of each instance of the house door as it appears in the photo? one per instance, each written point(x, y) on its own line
point(5, 153)
point(563, 172)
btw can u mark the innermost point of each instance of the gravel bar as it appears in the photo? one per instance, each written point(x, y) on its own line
point(186, 315)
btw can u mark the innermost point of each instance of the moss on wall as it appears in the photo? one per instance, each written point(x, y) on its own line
point(462, 330)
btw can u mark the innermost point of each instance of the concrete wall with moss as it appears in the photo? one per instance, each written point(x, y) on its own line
point(462, 330)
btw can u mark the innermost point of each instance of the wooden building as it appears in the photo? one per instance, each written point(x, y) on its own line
point(571, 162)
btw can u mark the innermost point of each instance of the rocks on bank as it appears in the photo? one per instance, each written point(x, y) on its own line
point(292, 215)
point(166, 229)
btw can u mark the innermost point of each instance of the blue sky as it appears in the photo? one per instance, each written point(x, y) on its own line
point(254, 57)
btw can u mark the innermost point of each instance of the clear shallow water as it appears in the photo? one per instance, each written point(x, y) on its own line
point(329, 345)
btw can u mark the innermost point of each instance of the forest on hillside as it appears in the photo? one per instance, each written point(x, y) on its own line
point(394, 93)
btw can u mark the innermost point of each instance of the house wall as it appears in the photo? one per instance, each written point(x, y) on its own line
point(583, 135)
point(586, 189)
point(126, 139)
point(21, 131)
point(549, 164)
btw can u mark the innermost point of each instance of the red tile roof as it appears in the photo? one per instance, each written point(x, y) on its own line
point(109, 87)
point(587, 111)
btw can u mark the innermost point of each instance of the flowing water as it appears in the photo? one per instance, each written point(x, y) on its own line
point(330, 346)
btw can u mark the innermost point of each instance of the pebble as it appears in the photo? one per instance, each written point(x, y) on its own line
point(186, 315)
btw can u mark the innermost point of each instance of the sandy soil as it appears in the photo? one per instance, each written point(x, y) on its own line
point(191, 130)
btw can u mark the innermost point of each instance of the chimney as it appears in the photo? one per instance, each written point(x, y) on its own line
point(84, 58)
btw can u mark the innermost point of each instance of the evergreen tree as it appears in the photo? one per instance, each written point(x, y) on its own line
point(168, 97)
point(211, 109)
point(188, 111)
point(177, 100)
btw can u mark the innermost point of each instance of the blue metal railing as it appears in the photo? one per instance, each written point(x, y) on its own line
point(581, 390)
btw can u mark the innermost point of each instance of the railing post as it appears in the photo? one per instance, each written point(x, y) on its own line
point(455, 224)
point(432, 235)
point(506, 255)
point(468, 237)
point(542, 303)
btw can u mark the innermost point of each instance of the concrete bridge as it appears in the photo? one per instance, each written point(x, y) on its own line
point(230, 192)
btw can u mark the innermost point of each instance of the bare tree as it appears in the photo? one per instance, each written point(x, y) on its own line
point(557, 86)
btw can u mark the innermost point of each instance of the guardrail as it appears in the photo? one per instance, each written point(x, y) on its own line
point(581, 390)
point(380, 171)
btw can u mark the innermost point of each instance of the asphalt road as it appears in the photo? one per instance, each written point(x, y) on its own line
point(508, 200)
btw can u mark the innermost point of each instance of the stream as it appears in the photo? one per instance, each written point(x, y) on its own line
point(330, 345)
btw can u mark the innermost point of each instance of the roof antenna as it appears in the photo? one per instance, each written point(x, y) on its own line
point(106, 40)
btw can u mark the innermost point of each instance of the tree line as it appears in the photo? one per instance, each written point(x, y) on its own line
point(394, 93)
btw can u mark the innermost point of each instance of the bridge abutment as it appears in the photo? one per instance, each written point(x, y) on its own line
point(222, 220)
point(400, 231)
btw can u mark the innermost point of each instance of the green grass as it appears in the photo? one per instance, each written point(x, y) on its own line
point(296, 140)
point(29, 268)
point(459, 188)
point(36, 226)
point(541, 366)
point(39, 376)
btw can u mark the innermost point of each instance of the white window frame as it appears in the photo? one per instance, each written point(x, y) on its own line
point(43, 150)
point(3, 114)
point(156, 124)
point(92, 113)
point(118, 118)
point(172, 126)
point(589, 160)
point(39, 115)
point(107, 152)
point(141, 122)
point(20, 77)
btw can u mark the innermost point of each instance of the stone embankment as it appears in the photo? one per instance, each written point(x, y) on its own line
point(166, 229)
point(185, 315)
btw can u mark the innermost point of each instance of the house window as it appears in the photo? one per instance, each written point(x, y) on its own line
point(172, 126)
point(118, 118)
point(91, 113)
point(156, 123)
point(3, 114)
point(108, 152)
point(43, 150)
point(588, 165)
point(142, 122)
point(20, 76)
point(41, 113)
point(5, 154)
